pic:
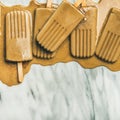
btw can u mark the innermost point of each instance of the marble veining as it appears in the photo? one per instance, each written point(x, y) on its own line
point(62, 92)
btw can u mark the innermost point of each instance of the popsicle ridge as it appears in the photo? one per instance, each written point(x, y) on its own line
point(108, 48)
point(58, 27)
point(18, 36)
point(83, 38)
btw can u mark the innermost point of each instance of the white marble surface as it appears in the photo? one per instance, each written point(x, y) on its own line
point(62, 92)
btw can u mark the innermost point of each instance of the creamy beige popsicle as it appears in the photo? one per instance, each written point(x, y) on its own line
point(83, 38)
point(108, 48)
point(59, 26)
point(18, 38)
point(41, 17)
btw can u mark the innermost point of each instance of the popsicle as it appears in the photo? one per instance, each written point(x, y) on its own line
point(41, 17)
point(108, 48)
point(60, 25)
point(83, 38)
point(18, 38)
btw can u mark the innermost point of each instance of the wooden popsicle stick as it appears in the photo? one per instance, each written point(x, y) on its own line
point(65, 0)
point(49, 3)
point(78, 2)
point(1, 4)
point(84, 3)
point(20, 72)
point(98, 1)
point(33, 0)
